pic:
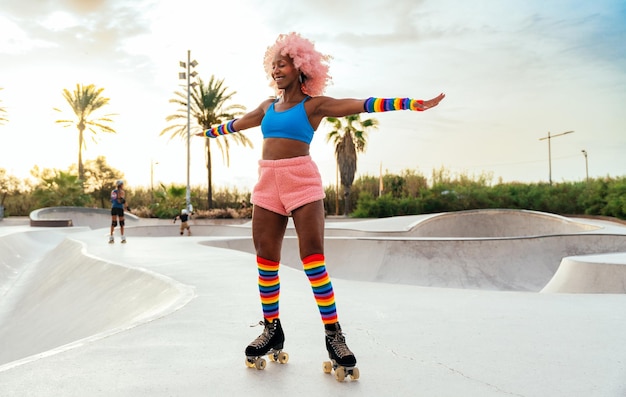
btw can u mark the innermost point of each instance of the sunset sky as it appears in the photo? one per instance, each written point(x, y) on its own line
point(512, 72)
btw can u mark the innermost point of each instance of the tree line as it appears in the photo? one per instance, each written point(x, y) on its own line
point(54, 187)
point(406, 193)
point(411, 193)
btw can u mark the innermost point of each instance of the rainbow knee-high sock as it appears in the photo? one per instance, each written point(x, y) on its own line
point(315, 269)
point(269, 287)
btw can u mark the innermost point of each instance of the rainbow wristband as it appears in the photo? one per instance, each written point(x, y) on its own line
point(222, 129)
point(372, 104)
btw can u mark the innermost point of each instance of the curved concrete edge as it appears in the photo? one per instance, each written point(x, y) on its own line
point(592, 274)
point(71, 298)
point(497, 223)
point(173, 230)
point(18, 250)
point(506, 264)
point(95, 218)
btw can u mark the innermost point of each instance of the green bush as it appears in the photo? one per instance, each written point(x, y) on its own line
point(606, 197)
point(616, 200)
point(405, 194)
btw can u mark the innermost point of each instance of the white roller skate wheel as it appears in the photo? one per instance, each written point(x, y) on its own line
point(260, 363)
point(340, 374)
point(283, 357)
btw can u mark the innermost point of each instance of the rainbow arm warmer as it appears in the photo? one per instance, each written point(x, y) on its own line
point(222, 129)
point(372, 104)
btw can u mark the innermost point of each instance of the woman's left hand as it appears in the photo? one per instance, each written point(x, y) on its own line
point(431, 103)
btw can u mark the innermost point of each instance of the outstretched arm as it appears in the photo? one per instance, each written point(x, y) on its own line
point(249, 120)
point(388, 104)
point(331, 107)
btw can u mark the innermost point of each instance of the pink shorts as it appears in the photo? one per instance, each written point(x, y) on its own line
point(287, 184)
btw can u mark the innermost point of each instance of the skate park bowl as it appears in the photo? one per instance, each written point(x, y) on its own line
point(63, 288)
point(54, 293)
point(94, 218)
point(494, 249)
point(505, 250)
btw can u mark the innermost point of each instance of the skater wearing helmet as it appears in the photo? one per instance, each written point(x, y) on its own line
point(289, 184)
point(184, 224)
point(118, 204)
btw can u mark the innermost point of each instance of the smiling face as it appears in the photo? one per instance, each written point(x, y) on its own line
point(284, 72)
point(305, 58)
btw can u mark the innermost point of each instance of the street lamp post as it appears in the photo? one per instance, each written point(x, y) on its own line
point(586, 165)
point(549, 137)
point(152, 163)
point(188, 74)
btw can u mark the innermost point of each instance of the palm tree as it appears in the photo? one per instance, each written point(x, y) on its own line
point(349, 140)
point(85, 100)
point(59, 188)
point(208, 108)
point(3, 112)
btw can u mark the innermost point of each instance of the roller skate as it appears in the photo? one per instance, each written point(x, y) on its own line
point(269, 343)
point(342, 360)
point(123, 239)
point(111, 240)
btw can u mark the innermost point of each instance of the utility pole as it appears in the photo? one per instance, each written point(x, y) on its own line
point(549, 137)
point(188, 74)
point(586, 165)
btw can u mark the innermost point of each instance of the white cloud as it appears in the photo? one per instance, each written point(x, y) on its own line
point(59, 20)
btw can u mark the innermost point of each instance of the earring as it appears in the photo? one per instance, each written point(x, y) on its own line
point(300, 78)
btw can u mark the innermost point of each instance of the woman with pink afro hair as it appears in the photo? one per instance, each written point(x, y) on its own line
point(312, 64)
point(290, 185)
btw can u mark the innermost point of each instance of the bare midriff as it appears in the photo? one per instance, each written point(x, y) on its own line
point(283, 148)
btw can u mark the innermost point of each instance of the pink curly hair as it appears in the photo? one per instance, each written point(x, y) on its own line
point(305, 57)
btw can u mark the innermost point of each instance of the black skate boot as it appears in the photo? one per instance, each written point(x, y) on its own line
point(342, 360)
point(269, 343)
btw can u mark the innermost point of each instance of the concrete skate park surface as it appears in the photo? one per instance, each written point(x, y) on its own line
point(475, 303)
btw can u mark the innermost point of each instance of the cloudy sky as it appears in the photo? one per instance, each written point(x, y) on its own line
point(512, 72)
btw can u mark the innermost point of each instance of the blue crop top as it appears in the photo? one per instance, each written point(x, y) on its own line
point(293, 123)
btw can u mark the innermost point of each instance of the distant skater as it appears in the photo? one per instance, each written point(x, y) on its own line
point(118, 204)
point(184, 221)
point(290, 185)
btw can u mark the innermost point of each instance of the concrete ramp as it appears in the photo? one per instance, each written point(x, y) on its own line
point(500, 249)
point(171, 229)
point(497, 223)
point(94, 218)
point(590, 274)
point(18, 250)
point(504, 264)
point(69, 296)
